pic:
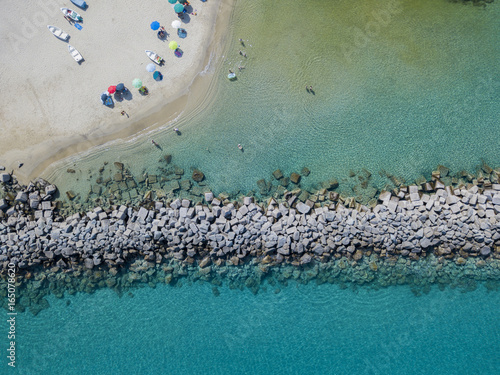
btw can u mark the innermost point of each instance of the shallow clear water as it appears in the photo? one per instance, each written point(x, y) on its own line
point(401, 87)
point(304, 329)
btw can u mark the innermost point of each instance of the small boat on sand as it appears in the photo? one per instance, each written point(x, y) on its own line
point(153, 56)
point(58, 32)
point(72, 14)
point(74, 53)
point(80, 3)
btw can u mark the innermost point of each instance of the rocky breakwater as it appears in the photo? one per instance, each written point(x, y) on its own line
point(461, 224)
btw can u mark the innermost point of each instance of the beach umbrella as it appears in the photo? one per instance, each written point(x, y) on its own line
point(151, 67)
point(176, 24)
point(104, 96)
point(155, 25)
point(178, 8)
point(120, 87)
point(137, 83)
point(172, 45)
point(172, 1)
point(157, 76)
point(111, 89)
point(183, 1)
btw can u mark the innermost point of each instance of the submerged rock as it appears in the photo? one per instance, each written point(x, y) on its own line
point(198, 175)
point(277, 174)
point(295, 178)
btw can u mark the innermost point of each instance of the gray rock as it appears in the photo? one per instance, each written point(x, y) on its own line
point(425, 242)
point(247, 201)
point(50, 189)
point(485, 251)
point(303, 208)
point(22, 197)
point(176, 204)
point(89, 263)
point(3, 204)
point(306, 258)
point(4, 177)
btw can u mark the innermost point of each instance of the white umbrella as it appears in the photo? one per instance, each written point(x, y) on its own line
point(176, 24)
point(151, 67)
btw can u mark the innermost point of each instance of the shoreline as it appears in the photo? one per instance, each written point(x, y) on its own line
point(157, 110)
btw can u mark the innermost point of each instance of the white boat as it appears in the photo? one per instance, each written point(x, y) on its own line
point(72, 14)
point(153, 56)
point(58, 32)
point(74, 53)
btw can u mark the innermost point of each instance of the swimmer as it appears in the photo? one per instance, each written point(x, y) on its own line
point(156, 144)
point(176, 130)
point(310, 88)
point(241, 53)
point(230, 71)
point(240, 146)
point(244, 54)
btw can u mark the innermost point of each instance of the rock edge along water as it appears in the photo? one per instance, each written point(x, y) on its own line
point(449, 221)
point(407, 224)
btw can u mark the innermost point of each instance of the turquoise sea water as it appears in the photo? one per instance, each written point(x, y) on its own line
point(304, 329)
point(419, 90)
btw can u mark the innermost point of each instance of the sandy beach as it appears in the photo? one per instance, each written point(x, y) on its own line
point(50, 102)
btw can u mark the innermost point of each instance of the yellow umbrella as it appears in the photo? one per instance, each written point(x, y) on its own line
point(173, 45)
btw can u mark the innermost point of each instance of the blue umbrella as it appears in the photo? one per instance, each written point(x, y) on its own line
point(157, 76)
point(151, 67)
point(155, 25)
point(120, 87)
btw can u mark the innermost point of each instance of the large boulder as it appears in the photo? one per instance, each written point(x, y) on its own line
point(4, 177)
point(198, 175)
point(303, 208)
point(295, 178)
point(22, 197)
point(50, 189)
point(306, 258)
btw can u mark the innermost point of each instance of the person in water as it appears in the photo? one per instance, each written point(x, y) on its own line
point(156, 144)
point(240, 146)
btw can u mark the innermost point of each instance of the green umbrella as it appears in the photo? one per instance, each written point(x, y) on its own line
point(178, 8)
point(173, 45)
point(172, 1)
point(137, 83)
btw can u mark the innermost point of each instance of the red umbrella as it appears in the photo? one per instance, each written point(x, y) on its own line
point(112, 89)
